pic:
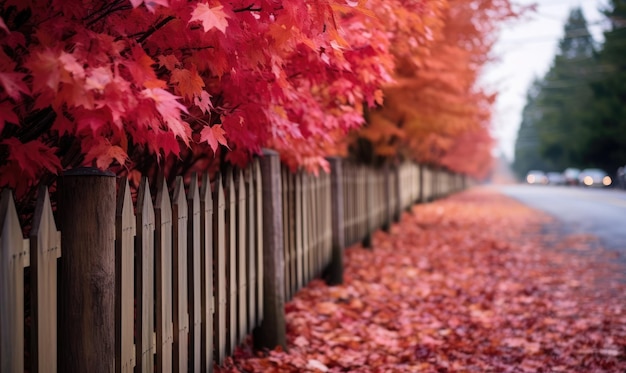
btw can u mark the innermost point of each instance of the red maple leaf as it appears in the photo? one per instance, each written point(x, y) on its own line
point(213, 136)
point(7, 115)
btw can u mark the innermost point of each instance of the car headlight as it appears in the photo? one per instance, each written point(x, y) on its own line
point(530, 179)
point(588, 180)
point(606, 181)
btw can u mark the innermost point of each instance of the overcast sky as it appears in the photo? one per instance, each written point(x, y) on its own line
point(525, 50)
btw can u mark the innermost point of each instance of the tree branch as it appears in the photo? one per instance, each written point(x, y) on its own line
point(154, 29)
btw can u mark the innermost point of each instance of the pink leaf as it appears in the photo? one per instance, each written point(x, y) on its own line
point(150, 4)
point(204, 102)
point(13, 84)
point(168, 106)
point(4, 26)
point(210, 17)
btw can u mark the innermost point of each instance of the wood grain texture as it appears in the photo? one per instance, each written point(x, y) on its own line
point(206, 274)
point(124, 280)
point(14, 256)
point(144, 277)
point(45, 249)
point(193, 273)
point(163, 279)
point(87, 272)
point(179, 278)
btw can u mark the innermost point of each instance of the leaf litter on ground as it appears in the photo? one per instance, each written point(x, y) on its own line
point(475, 282)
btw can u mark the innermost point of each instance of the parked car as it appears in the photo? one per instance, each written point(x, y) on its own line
point(536, 177)
point(571, 175)
point(555, 178)
point(594, 177)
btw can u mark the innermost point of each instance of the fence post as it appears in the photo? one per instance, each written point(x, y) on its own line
point(87, 272)
point(397, 213)
point(272, 331)
point(368, 208)
point(387, 198)
point(334, 274)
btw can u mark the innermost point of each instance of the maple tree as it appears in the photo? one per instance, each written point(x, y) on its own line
point(113, 84)
point(473, 282)
point(434, 112)
point(193, 84)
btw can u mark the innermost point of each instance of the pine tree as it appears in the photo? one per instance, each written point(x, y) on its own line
point(606, 124)
point(564, 96)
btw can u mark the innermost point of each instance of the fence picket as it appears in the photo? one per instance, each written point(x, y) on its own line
point(219, 273)
point(206, 274)
point(299, 241)
point(144, 278)
point(124, 280)
point(14, 256)
point(258, 185)
point(163, 265)
point(306, 228)
point(179, 278)
point(45, 249)
point(242, 246)
point(193, 273)
point(231, 266)
point(251, 247)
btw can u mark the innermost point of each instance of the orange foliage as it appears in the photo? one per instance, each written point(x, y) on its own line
point(433, 111)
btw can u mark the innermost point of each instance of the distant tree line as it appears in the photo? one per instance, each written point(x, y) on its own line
point(575, 116)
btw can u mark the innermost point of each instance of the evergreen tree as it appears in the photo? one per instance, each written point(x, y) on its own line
point(552, 133)
point(565, 95)
point(527, 155)
point(606, 125)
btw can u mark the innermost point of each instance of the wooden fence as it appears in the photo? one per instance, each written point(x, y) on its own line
point(183, 278)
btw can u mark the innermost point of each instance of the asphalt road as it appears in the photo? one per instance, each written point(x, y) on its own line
point(597, 211)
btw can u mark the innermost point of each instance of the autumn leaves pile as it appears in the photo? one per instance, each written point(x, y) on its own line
point(473, 283)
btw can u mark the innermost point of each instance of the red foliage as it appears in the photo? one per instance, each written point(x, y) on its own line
point(107, 83)
point(469, 283)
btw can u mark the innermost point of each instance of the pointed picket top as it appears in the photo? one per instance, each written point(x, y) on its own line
point(13, 258)
point(193, 196)
point(44, 222)
point(45, 249)
point(145, 274)
point(124, 208)
point(181, 312)
point(241, 187)
point(11, 241)
point(125, 277)
point(163, 266)
point(179, 198)
point(193, 272)
point(206, 273)
point(205, 193)
point(145, 209)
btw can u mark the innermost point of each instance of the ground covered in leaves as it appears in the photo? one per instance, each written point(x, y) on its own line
point(472, 283)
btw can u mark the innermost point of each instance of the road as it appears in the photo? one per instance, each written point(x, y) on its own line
point(600, 212)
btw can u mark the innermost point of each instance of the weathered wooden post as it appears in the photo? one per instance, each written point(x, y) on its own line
point(334, 275)
point(272, 331)
point(387, 198)
point(397, 213)
point(369, 207)
point(87, 271)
